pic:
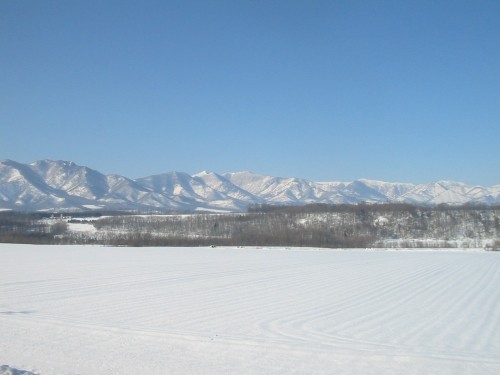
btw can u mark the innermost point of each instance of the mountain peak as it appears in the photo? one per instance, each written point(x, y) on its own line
point(55, 185)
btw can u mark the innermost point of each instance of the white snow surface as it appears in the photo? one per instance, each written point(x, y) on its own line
point(7, 370)
point(102, 310)
point(55, 185)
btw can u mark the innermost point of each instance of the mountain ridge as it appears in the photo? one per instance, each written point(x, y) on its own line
point(64, 185)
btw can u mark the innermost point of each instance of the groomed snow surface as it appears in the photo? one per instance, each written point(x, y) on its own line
point(99, 310)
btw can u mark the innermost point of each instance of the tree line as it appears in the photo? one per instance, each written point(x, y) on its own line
point(317, 225)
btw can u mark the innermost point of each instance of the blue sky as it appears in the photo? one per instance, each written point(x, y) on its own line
point(405, 91)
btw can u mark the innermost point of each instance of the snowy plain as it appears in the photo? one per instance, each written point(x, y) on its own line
point(103, 310)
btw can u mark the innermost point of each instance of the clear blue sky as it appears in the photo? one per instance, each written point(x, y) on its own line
point(405, 91)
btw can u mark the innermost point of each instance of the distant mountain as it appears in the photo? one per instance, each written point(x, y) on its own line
point(62, 185)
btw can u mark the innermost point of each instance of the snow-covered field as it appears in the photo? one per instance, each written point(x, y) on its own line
point(97, 310)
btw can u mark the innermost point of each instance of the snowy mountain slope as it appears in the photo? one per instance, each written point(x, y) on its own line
point(46, 185)
point(437, 193)
point(390, 190)
point(495, 193)
point(277, 189)
point(481, 194)
point(73, 179)
point(358, 191)
point(174, 189)
point(21, 186)
point(225, 189)
point(201, 191)
point(56, 185)
point(171, 183)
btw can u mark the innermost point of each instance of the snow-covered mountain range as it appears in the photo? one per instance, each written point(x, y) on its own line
point(63, 185)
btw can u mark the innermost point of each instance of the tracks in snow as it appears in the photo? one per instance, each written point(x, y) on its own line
point(438, 305)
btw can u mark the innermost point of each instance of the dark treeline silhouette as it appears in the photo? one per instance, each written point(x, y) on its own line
point(316, 225)
point(33, 228)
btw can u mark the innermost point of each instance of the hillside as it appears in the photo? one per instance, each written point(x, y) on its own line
point(48, 185)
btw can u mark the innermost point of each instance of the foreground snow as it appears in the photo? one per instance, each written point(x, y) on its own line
point(94, 310)
point(7, 370)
